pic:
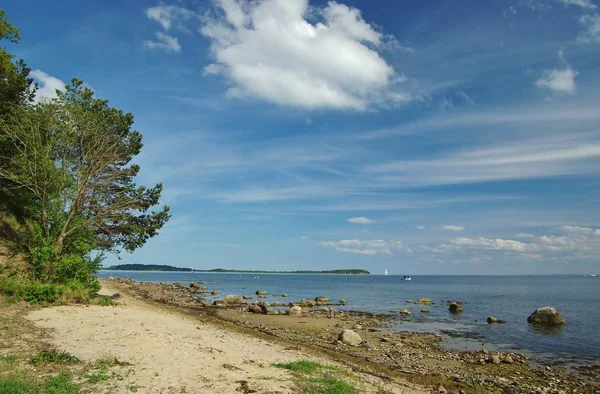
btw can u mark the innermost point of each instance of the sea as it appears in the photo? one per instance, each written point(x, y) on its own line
point(510, 298)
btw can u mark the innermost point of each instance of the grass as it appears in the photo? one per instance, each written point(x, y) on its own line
point(316, 378)
point(105, 301)
point(61, 384)
point(54, 356)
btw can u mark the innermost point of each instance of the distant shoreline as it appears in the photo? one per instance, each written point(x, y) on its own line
point(168, 268)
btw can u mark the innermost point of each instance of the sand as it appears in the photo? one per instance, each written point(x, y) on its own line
point(171, 352)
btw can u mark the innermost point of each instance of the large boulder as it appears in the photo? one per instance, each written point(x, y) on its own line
point(296, 311)
point(233, 299)
point(547, 316)
point(255, 309)
point(322, 300)
point(455, 307)
point(350, 337)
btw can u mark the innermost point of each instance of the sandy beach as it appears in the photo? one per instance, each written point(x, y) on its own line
point(172, 352)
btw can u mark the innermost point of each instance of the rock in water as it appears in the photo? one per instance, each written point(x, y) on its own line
point(455, 307)
point(350, 337)
point(404, 312)
point(215, 292)
point(322, 300)
point(233, 299)
point(194, 285)
point(342, 302)
point(425, 301)
point(492, 320)
point(547, 316)
point(261, 292)
point(254, 309)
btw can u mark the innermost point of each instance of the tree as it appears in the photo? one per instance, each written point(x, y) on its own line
point(72, 158)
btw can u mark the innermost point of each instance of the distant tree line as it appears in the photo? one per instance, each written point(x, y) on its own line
point(155, 267)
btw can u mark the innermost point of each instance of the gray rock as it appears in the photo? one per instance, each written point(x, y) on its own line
point(296, 311)
point(247, 297)
point(194, 285)
point(233, 299)
point(215, 292)
point(342, 302)
point(405, 312)
point(203, 301)
point(492, 320)
point(455, 307)
point(261, 292)
point(547, 316)
point(349, 337)
point(322, 300)
point(284, 295)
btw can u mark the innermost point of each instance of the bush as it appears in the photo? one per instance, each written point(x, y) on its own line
point(47, 293)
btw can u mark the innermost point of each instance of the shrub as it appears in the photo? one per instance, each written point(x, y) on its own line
point(54, 356)
point(41, 293)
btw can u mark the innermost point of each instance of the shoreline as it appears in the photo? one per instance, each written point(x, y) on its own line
point(395, 355)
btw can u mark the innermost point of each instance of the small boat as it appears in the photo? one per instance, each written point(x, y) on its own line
point(406, 277)
point(385, 272)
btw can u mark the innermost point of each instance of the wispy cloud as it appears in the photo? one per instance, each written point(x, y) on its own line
point(365, 247)
point(360, 220)
point(559, 80)
point(591, 29)
point(163, 42)
point(169, 16)
point(269, 50)
point(451, 227)
point(586, 4)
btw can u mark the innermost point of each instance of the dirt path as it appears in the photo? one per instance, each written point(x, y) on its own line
point(170, 352)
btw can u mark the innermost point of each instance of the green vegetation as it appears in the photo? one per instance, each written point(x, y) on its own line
point(154, 267)
point(315, 378)
point(54, 356)
point(67, 190)
point(61, 384)
point(105, 301)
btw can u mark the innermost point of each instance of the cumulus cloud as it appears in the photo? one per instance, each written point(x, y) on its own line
point(591, 29)
point(287, 53)
point(360, 220)
point(450, 227)
point(365, 247)
point(169, 16)
point(560, 80)
point(496, 244)
point(47, 85)
point(164, 42)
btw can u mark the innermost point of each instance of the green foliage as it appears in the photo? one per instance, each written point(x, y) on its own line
point(61, 384)
point(105, 301)
point(318, 378)
point(67, 179)
point(41, 293)
point(54, 356)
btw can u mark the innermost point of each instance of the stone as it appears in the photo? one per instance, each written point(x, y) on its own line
point(349, 337)
point(247, 297)
point(455, 308)
point(215, 292)
point(342, 302)
point(508, 360)
point(194, 285)
point(296, 311)
point(405, 312)
point(284, 295)
point(219, 303)
point(492, 320)
point(322, 299)
point(441, 390)
point(547, 316)
point(494, 360)
point(116, 296)
point(254, 309)
point(424, 310)
point(367, 346)
point(409, 301)
point(203, 301)
point(261, 292)
point(425, 301)
point(212, 283)
point(233, 299)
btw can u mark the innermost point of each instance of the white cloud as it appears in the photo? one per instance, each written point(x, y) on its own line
point(360, 220)
point(591, 32)
point(559, 80)
point(450, 227)
point(169, 16)
point(304, 237)
point(421, 227)
point(580, 3)
point(47, 85)
point(164, 42)
point(365, 247)
point(271, 51)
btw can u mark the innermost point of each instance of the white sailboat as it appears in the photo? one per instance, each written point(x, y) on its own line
point(385, 272)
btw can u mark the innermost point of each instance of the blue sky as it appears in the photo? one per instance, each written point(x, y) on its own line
point(418, 136)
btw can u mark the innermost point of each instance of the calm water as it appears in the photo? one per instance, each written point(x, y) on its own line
point(511, 298)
